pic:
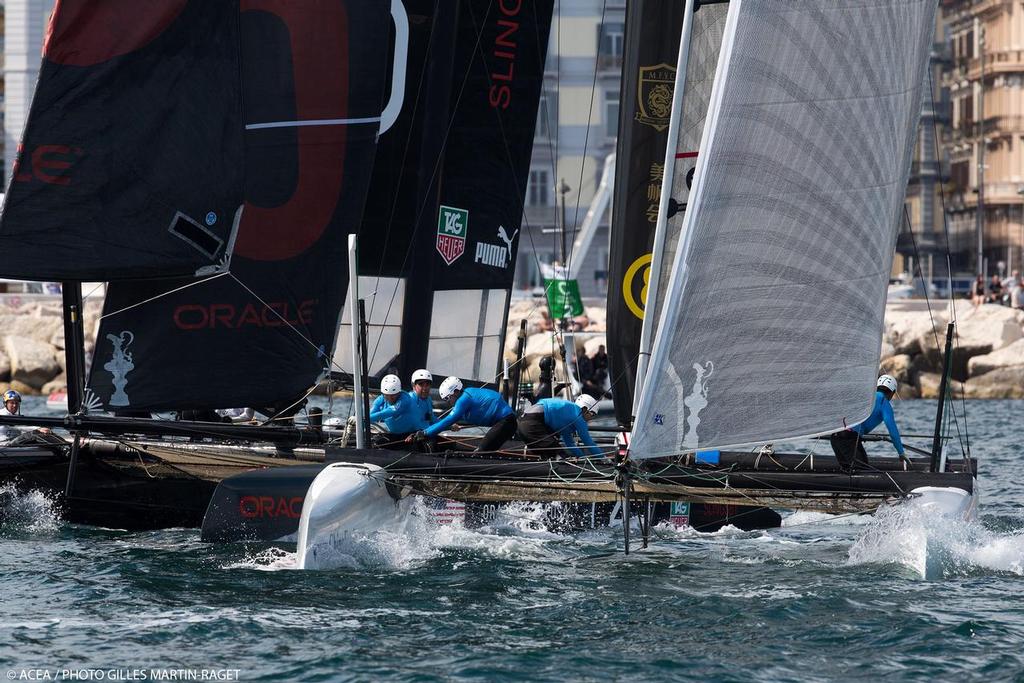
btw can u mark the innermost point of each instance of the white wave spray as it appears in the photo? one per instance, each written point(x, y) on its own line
point(934, 546)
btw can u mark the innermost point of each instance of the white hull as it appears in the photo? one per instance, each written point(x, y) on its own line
point(941, 509)
point(345, 505)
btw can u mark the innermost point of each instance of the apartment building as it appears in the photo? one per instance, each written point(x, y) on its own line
point(24, 30)
point(985, 137)
point(576, 131)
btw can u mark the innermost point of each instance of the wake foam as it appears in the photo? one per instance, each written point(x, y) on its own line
point(936, 547)
point(31, 511)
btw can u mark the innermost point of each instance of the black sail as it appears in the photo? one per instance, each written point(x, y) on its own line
point(131, 160)
point(443, 221)
point(313, 80)
point(651, 48)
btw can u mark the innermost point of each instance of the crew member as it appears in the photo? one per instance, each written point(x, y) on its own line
point(12, 408)
point(848, 445)
point(422, 381)
point(396, 409)
point(552, 419)
point(479, 407)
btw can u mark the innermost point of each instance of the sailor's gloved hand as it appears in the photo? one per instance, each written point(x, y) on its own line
point(418, 436)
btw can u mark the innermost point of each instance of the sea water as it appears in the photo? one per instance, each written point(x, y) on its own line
point(822, 598)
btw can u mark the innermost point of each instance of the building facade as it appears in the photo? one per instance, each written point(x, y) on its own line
point(985, 136)
point(576, 131)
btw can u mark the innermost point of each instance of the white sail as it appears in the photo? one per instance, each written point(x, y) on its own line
point(772, 324)
point(699, 48)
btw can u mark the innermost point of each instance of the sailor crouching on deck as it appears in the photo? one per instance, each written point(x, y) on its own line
point(848, 445)
point(422, 380)
point(551, 419)
point(398, 410)
point(475, 406)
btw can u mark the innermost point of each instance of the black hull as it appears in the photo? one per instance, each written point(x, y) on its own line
point(143, 488)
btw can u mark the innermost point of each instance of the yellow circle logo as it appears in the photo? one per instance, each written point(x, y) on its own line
point(644, 263)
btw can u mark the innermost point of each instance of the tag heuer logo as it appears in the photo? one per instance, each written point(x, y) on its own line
point(452, 226)
point(654, 95)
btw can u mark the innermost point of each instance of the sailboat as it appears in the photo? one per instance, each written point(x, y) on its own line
point(239, 303)
point(770, 322)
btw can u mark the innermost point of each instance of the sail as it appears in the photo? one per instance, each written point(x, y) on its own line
point(442, 226)
point(313, 77)
point(702, 60)
point(130, 164)
point(648, 74)
point(772, 325)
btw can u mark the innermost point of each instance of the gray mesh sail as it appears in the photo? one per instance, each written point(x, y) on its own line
point(705, 44)
point(771, 328)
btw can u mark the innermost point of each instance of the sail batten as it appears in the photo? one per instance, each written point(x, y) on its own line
point(772, 323)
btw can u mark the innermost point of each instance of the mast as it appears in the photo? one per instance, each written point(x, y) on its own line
point(658, 251)
point(943, 388)
point(357, 363)
point(74, 350)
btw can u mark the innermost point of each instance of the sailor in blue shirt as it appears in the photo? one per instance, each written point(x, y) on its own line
point(422, 381)
point(848, 445)
point(481, 407)
point(398, 410)
point(551, 419)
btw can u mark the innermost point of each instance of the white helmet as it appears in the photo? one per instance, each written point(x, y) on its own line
point(390, 385)
point(587, 402)
point(421, 375)
point(449, 387)
point(888, 382)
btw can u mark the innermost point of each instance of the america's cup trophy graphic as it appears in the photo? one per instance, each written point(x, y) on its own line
point(119, 366)
point(696, 402)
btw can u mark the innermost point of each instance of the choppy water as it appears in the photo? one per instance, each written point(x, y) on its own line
point(817, 599)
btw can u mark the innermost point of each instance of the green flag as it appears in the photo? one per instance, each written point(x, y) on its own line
point(563, 298)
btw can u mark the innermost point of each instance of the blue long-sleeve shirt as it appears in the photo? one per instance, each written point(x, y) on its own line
point(424, 408)
point(482, 407)
point(401, 417)
point(565, 418)
point(881, 412)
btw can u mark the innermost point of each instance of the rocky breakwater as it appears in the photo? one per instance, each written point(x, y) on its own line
point(540, 340)
point(32, 357)
point(988, 350)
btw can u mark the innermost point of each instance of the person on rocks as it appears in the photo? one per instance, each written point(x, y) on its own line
point(554, 419)
point(399, 411)
point(848, 444)
point(474, 406)
point(978, 291)
point(600, 358)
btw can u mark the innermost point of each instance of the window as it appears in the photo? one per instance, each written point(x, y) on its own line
point(609, 45)
point(546, 121)
point(611, 113)
point(538, 192)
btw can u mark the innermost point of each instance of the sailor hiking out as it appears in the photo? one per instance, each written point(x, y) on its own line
point(11, 408)
point(475, 406)
point(848, 444)
point(399, 411)
point(551, 419)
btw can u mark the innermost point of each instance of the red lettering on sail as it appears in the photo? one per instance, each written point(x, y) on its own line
point(504, 53)
point(86, 32)
point(319, 56)
point(47, 164)
point(229, 316)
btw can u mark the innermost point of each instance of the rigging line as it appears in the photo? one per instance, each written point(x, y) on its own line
point(928, 303)
point(295, 403)
point(949, 268)
point(160, 296)
point(319, 350)
point(586, 140)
